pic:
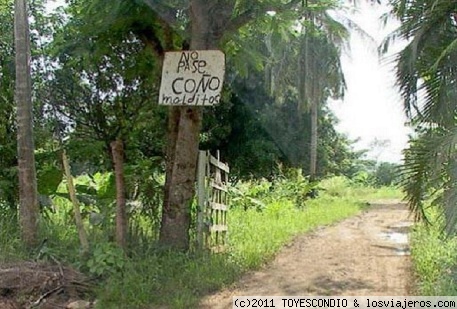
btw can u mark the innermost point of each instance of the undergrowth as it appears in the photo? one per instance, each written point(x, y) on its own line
point(434, 258)
point(264, 216)
point(10, 244)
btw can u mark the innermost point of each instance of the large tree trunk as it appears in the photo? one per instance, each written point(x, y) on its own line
point(28, 199)
point(76, 211)
point(183, 139)
point(117, 149)
point(313, 147)
point(183, 134)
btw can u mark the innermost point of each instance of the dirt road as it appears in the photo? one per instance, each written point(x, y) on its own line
point(364, 255)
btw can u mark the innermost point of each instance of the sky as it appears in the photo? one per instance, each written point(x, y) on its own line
point(372, 107)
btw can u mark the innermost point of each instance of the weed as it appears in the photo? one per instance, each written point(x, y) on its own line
point(434, 258)
point(106, 260)
point(256, 234)
point(263, 217)
point(11, 248)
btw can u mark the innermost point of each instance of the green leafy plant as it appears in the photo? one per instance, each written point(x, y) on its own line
point(248, 195)
point(363, 178)
point(295, 187)
point(336, 186)
point(106, 260)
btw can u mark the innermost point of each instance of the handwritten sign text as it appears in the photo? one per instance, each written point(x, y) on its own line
point(192, 78)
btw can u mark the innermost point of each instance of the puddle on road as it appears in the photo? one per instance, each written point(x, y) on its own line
point(398, 235)
point(402, 251)
point(398, 238)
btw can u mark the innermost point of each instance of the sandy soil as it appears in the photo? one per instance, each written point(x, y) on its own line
point(364, 255)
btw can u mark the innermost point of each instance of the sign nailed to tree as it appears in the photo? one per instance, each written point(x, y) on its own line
point(192, 78)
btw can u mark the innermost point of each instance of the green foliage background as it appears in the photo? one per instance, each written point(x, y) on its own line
point(96, 74)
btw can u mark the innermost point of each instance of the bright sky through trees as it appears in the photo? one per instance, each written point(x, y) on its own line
point(372, 108)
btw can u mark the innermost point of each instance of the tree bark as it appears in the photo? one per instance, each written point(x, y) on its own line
point(184, 129)
point(117, 150)
point(184, 126)
point(77, 213)
point(314, 137)
point(28, 196)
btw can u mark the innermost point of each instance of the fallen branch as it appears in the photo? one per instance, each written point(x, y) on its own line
point(44, 296)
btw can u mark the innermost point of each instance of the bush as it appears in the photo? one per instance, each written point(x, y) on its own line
point(387, 174)
point(336, 186)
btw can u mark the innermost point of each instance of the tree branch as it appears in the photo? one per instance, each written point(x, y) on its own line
point(166, 12)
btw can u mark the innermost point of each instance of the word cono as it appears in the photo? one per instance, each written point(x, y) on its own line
point(180, 85)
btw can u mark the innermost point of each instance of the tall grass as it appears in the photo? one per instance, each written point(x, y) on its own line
point(434, 257)
point(11, 248)
point(267, 217)
point(171, 279)
point(255, 236)
point(180, 280)
point(343, 187)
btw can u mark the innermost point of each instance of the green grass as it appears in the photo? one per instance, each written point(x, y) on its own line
point(167, 278)
point(343, 187)
point(152, 278)
point(434, 257)
point(382, 193)
point(256, 236)
point(180, 280)
point(11, 248)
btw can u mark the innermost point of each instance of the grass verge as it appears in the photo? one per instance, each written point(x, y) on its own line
point(180, 280)
point(11, 248)
point(152, 278)
point(434, 257)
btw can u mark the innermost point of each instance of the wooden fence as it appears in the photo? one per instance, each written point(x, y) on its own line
point(212, 190)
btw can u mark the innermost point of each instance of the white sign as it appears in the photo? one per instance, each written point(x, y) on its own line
point(192, 78)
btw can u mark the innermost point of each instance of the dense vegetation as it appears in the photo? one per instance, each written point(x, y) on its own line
point(92, 86)
point(115, 172)
point(94, 100)
point(426, 75)
point(434, 257)
point(264, 216)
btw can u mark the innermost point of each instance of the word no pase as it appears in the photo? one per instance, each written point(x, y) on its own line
point(190, 61)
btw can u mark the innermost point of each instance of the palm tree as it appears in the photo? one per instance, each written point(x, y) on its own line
point(322, 77)
point(426, 75)
point(28, 208)
point(311, 64)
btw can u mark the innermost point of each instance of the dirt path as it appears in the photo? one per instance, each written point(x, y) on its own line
point(364, 255)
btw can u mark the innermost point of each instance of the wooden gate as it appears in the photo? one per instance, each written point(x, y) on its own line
point(212, 189)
